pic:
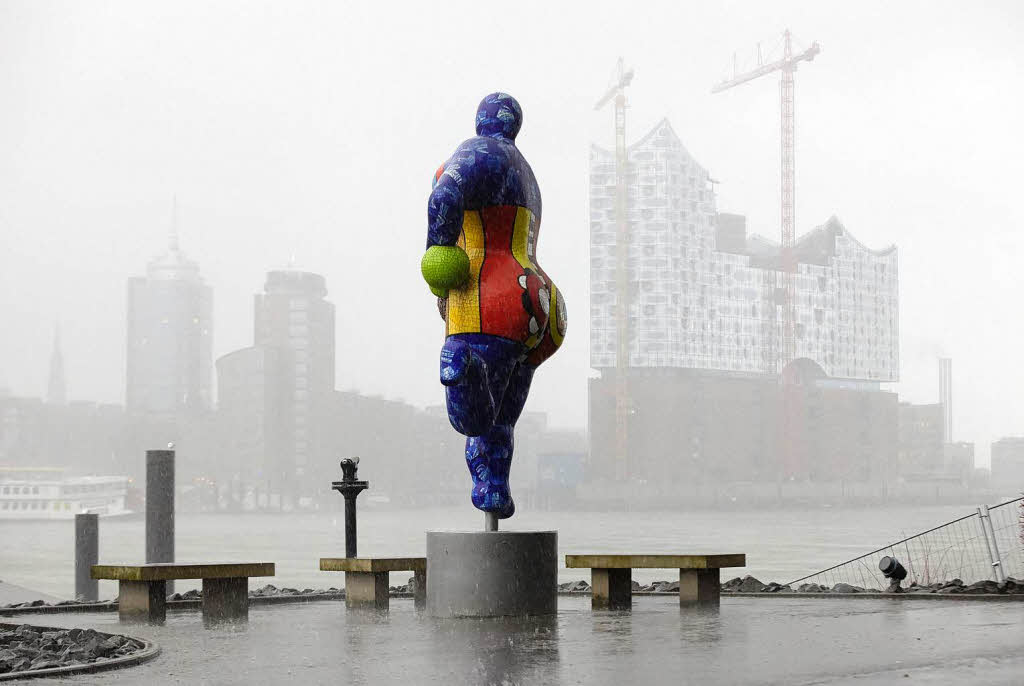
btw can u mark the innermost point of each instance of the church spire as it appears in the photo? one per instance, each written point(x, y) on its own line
point(56, 389)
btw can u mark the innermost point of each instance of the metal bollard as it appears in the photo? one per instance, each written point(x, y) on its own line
point(87, 547)
point(350, 488)
point(160, 507)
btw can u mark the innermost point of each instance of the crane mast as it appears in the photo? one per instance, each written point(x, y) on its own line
point(622, 403)
point(787, 66)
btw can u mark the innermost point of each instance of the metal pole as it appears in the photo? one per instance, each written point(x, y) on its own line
point(350, 525)
point(87, 538)
point(350, 487)
point(490, 521)
point(997, 562)
point(160, 507)
point(988, 544)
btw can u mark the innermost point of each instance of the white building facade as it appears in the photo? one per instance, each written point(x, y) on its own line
point(705, 295)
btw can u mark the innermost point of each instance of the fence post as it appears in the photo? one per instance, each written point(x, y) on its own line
point(990, 533)
point(982, 516)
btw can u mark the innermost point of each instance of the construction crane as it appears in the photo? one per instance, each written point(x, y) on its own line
point(617, 92)
point(787, 66)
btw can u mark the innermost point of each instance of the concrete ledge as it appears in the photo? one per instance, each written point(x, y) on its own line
point(148, 651)
point(168, 571)
point(373, 565)
point(655, 561)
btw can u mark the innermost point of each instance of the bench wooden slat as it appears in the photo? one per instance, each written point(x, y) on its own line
point(168, 571)
point(655, 561)
point(373, 564)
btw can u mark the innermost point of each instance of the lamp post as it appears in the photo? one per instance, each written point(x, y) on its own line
point(350, 488)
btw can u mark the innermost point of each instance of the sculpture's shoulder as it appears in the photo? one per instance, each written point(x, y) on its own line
point(482, 154)
point(495, 172)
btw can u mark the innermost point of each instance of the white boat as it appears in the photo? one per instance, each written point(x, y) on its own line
point(46, 494)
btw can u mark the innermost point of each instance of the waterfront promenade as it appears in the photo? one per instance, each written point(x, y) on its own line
point(747, 641)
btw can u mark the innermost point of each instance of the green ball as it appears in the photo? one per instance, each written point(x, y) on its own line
point(445, 266)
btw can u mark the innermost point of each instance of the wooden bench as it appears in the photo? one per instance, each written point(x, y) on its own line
point(366, 578)
point(611, 578)
point(142, 589)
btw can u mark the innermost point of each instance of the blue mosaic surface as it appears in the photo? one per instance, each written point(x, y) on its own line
point(508, 317)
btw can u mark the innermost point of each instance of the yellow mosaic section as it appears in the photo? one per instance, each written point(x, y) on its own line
point(556, 335)
point(464, 303)
point(520, 234)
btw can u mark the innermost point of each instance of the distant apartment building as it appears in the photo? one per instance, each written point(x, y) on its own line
point(169, 340)
point(1008, 465)
point(705, 326)
point(80, 438)
point(276, 396)
point(959, 460)
point(921, 445)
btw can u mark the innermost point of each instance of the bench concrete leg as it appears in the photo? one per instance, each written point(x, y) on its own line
point(611, 589)
point(142, 601)
point(225, 598)
point(366, 590)
point(699, 587)
point(420, 592)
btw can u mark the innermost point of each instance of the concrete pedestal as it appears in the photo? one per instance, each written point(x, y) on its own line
point(611, 589)
point(142, 601)
point(225, 599)
point(367, 590)
point(699, 587)
point(492, 573)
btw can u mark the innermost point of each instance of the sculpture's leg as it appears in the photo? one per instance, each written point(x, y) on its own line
point(498, 444)
point(464, 374)
point(490, 485)
point(475, 370)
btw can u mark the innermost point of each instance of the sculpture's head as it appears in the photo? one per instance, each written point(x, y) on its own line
point(499, 116)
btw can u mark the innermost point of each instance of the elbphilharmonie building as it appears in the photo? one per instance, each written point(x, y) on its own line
point(705, 327)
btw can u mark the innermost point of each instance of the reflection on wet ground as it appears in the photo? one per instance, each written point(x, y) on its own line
point(746, 641)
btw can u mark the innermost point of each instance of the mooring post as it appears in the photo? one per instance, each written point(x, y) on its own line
point(160, 508)
point(350, 487)
point(87, 538)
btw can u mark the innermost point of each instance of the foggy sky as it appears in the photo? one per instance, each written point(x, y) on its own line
point(312, 130)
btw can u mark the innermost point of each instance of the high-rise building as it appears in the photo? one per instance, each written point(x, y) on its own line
point(705, 326)
point(275, 398)
point(170, 339)
point(56, 387)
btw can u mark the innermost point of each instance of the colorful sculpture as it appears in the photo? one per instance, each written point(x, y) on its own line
point(503, 314)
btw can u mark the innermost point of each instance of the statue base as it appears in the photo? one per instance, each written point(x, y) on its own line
point(492, 573)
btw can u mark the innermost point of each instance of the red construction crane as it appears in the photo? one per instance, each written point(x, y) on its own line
point(622, 403)
point(787, 65)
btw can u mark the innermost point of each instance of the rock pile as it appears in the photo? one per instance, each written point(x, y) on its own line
point(581, 587)
point(27, 648)
point(750, 584)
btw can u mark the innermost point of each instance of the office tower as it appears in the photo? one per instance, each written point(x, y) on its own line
point(170, 338)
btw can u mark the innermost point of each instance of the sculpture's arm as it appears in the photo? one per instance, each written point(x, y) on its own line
point(445, 265)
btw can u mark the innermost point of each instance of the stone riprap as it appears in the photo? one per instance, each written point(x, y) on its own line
point(747, 584)
point(750, 584)
point(267, 591)
point(27, 648)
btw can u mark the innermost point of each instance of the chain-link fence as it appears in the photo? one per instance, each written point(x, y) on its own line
point(987, 544)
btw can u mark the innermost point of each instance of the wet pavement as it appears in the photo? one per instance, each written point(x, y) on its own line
point(746, 641)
